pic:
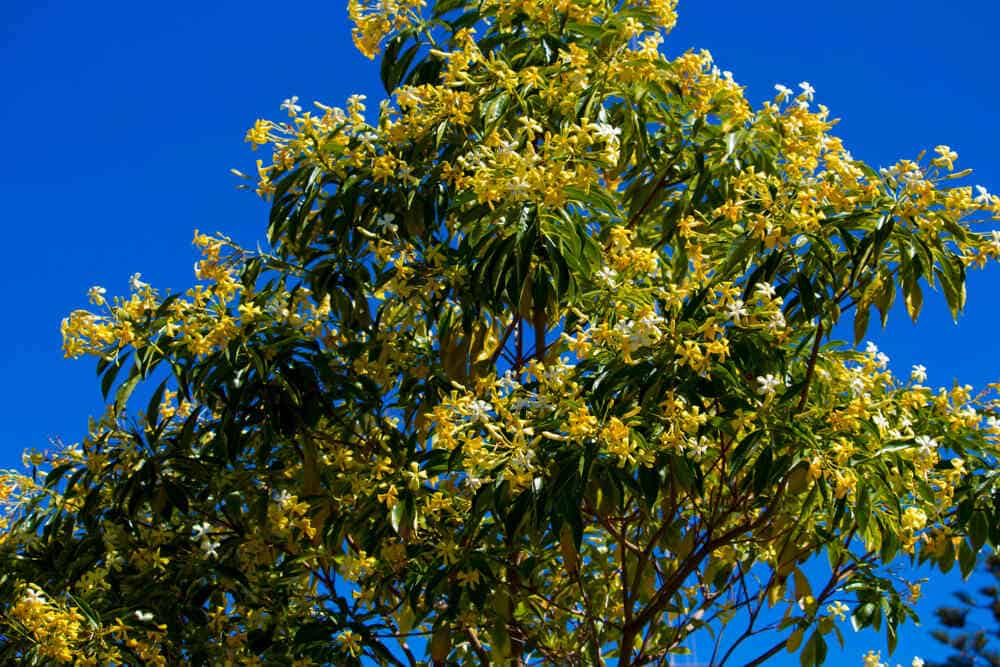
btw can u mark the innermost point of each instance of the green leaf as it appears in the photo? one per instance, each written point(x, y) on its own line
point(978, 529)
point(890, 544)
point(682, 473)
point(394, 65)
point(396, 516)
point(112, 372)
point(495, 107)
point(885, 298)
point(126, 388)
point(913, 296)
point(814, 651)
point(861, 316)
point(153, 407)
point(795, 640)
point(806, 294)
point(743, 451)
point(762, 470)
point(966, 559)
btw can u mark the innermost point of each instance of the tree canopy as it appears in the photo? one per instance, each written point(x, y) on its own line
point(536, 368)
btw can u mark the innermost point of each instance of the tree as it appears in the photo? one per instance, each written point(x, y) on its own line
point(972, 648)
point(537, 369)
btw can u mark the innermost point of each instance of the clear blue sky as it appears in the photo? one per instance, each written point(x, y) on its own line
point(122, 120)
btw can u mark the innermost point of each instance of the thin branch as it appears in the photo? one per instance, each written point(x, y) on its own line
point(477, 646)
point(503, 342)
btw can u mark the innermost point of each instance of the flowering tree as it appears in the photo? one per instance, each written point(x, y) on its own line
point(537, 370)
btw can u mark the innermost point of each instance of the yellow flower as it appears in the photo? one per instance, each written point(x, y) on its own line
point(350, 642)
point(581, 423)
point(946, 157)
point(914, 519)
point(390, 496)
point(258, 134)
point(469, 578)
point(838, 609)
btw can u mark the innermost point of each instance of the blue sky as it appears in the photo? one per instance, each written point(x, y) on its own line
point(123, 118)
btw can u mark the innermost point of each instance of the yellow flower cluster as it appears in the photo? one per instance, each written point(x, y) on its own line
point(373, 21)
point(207, 318)
point(56, 629)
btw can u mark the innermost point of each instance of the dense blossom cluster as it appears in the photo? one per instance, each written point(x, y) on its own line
point(536, 368)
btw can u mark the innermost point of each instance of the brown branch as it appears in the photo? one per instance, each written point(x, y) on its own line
point(519, 341)
point(768, 654)
point(503, 342)
point(477, 646)
point(541, 326)
point(660, 184)
point(408, 653)
point(662, 596)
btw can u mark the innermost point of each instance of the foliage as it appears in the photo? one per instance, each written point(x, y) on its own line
point(972, 648)
point(536, 370)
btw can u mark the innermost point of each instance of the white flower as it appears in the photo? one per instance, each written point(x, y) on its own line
point(700, 447)
point(917, 662)
point(33, 596)
point(640, 334)
point(983, 197)
point(96, 295)
point(764, 290)
point(507, 382)
point(479, 410)
point(650, 320)
point(607, 276)
point(927, 444)
point(606, 132)
point(385, 222)
point(871, 348)
point(919, 373)
point(290, 106)
point(880, 421)
point(508, 147)
point(135, 283)
point(858, 386)
point(735, 311)
point(556, 373)
point(807, 90)
point(144, 616)
point(210, 547)
point(783, 91)
point(768, 384)
point(200, 530)
point(882, 359)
